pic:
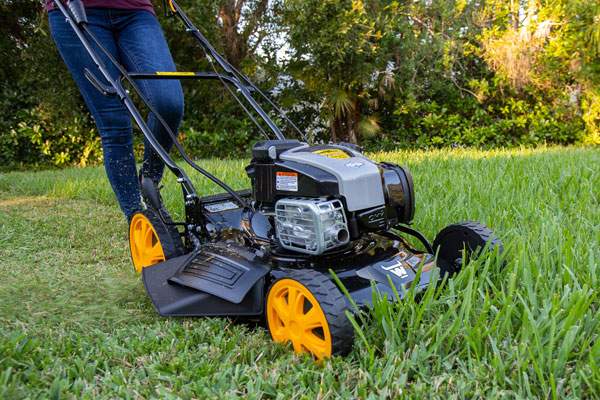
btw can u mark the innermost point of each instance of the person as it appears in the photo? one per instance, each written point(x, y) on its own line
point(130, 31)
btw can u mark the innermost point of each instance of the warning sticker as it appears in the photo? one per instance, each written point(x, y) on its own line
point(287, 181)
point(219, 207)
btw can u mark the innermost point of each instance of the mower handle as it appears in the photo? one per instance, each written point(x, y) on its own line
point(185, 76)
point(77, 10)
point(101, 87)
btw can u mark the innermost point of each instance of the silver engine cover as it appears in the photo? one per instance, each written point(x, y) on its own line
point(310, 226)
point(359, 178)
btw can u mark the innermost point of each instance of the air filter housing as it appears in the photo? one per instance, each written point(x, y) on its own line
point(311, 226)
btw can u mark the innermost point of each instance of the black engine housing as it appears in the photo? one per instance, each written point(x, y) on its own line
point(266, 168)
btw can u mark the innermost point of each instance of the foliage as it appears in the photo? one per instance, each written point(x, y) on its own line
point(208, 143)
point(42, 118)
point(552, 54)
point(591, 116)
point(435, 74)
point(75, 321)
point(380, 72)
point(470, 123)
point(336, 50)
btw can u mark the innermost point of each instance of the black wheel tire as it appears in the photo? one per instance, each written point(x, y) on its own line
point(167, 235)
point(332, 303)
point(471, 236)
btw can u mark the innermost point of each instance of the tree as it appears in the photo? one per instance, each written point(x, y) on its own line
point(336, 53)
point(241, 20)
point(551, 53)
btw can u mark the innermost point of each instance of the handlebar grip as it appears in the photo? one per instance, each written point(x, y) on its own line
point(78, 10)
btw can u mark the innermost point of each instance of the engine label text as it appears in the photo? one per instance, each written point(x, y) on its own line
point(287, 181)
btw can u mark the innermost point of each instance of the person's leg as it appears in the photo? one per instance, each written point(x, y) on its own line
point(111, 118)
point(143, 48)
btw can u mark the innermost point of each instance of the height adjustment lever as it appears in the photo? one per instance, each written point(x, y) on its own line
point(106, 90)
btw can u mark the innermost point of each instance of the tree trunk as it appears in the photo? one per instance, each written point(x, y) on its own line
point(235, 37)
point(335, 129)
point(234, 47)
point(353, 122)
point(344, 127)
point(515, 5)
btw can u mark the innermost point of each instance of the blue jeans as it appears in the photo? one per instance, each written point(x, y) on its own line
point(136, 40)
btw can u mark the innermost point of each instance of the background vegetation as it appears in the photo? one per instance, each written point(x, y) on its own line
point(379, 72)
point(75, 321)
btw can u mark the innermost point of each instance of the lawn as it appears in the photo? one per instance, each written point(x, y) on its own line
point(75, 321)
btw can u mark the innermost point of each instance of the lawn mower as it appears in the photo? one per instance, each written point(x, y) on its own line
point(321, 228)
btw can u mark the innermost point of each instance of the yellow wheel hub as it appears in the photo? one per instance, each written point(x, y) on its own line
point(144, 243)
point(294, 315)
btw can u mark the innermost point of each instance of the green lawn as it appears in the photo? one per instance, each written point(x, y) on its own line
point(75, 320)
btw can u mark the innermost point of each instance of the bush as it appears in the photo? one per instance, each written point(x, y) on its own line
point(217, 143)
point(38, 136)
point(509, 122)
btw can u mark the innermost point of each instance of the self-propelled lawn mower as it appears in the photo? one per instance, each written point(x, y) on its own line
point(317, 219)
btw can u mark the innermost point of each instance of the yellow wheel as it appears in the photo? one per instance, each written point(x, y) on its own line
point(306, 309)
point(151, 241)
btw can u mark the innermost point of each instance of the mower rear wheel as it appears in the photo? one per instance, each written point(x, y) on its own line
point(151, 240)
point(471, 237)
point(307, 309)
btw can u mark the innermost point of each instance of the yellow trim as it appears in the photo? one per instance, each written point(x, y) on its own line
point(172, 6)
point(332, 153)
point(175, 73)
point(289, 321)
point(145, 246)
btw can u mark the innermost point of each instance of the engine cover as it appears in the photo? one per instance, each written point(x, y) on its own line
point(292, 169)
point(358, 177)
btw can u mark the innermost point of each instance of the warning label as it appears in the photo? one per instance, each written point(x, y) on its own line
point(219, 207)
point(287, 181)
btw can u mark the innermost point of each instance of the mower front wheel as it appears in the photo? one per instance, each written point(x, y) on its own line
point(458, 243)
point(305, 308)
point(151, 240)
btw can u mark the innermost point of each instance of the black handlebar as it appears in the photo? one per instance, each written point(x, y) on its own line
point(76, 15)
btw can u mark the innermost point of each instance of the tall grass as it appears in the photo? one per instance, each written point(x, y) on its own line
point(75, 319)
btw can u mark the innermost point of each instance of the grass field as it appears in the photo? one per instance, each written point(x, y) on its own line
point(76, 323)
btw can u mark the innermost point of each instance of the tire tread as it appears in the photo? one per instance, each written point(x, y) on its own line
point(332, 302)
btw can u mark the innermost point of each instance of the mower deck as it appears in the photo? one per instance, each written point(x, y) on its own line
point(224, 279)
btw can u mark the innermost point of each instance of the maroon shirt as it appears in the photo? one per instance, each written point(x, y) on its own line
point(118, 4)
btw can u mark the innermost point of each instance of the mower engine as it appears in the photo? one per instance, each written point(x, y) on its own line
point(311, 226)
point(324, 197)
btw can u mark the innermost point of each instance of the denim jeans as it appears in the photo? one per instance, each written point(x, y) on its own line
point(136, 40)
